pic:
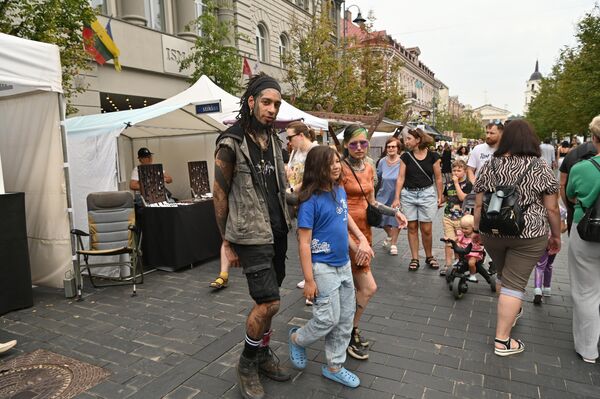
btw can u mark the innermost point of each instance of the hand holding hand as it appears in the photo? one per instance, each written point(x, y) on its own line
point(401, 219)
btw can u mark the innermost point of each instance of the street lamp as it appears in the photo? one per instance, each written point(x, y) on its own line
point(358, 20)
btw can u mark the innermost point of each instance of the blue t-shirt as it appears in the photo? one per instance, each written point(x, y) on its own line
point(328, 219)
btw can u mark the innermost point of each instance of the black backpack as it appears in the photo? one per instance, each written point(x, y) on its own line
point(589, 225)
point(502, 214)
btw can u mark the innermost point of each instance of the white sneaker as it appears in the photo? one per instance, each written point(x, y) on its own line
point(308, 302)
point(300, 285)
point(393, 250)
point(386, 243)
point(472, 279)
point(6, 346)
point(546, 291)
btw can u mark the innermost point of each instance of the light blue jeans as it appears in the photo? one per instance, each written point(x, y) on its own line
point(333, 312)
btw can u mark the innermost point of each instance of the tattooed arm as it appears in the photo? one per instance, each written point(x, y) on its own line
point(224, 165)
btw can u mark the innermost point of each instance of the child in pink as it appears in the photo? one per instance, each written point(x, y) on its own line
point(465, 236)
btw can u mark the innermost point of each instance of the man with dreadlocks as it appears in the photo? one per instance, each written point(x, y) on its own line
point(249, 199)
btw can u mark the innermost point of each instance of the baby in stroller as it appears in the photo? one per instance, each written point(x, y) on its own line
point(465, 236)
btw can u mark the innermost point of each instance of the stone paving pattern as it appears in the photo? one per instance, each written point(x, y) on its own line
point(179, 339)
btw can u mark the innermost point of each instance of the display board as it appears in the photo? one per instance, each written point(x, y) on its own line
point(152, 183)
point(199, 183)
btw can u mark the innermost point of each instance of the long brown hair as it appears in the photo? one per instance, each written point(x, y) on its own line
point(317, 172)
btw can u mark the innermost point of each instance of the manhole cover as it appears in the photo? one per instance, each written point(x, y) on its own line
point(46, 375)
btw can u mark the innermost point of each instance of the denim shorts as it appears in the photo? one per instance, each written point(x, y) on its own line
point(419, 205)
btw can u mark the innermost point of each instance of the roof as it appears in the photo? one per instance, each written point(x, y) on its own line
point(536, 75)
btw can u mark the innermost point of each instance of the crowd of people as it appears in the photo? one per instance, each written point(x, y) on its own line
point(331, 201)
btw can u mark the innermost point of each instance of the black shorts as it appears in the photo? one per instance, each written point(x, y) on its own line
point(258, 265)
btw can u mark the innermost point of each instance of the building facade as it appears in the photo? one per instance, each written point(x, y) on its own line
point(533, 86)
point(490, 114)
point(416, 79)
point(153, 35)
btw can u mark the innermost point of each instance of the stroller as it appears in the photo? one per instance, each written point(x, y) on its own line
point(456, 277)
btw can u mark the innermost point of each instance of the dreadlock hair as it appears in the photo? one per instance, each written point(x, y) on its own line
point(317, 172)
point(245, 113)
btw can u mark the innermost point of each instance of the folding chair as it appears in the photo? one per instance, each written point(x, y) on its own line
point(112, 232)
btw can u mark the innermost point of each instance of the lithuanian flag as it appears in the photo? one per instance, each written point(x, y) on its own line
point(98, 42)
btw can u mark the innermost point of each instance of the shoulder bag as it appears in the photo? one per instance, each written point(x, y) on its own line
point(589, 225)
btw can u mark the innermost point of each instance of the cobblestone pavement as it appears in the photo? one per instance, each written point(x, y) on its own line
point(178, 339)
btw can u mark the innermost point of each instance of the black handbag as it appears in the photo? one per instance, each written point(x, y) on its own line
point(589, 225)
point(374, 217)
point(502, 214)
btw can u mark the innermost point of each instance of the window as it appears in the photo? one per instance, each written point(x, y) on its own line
point(155, 14)
point(283, 47)
point(261, 40)
point(99, 5)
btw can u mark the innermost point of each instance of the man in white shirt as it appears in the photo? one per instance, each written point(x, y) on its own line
point(145, 158)
point(483, 152)
point(548, 153)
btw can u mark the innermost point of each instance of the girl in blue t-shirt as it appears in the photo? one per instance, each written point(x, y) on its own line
point(323, 223)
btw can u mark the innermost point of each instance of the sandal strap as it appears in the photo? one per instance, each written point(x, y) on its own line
point(507, 343)
point(220, 280)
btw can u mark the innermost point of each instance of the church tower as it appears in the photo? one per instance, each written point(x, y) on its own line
point(533, 86)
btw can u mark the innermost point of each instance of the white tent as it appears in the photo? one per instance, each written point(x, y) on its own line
point(230, 106)
point(32, 151)
point(103, 147)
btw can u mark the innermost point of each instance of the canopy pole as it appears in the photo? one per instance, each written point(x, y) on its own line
point(63, 137)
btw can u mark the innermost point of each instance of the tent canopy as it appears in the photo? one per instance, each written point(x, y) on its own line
point(230, 106)
point(31, 148)
point(28, 66)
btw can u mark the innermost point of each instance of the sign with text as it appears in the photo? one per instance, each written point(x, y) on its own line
point(173, 50)
point(207, 107)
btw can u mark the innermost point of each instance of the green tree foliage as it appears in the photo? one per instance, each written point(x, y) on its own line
point(349, 77)
point(569, 97)
point(213, 55)
point(466, 123)
point(58, 22)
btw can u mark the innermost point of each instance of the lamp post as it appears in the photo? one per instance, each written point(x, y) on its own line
point(358, 20)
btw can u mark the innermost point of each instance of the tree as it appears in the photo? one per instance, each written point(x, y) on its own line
point(352, 77)
point(58, 22)
point(569, 97)
point(212, 55)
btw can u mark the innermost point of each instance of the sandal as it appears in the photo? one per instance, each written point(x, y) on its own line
point(219, 283)
point(414, 265)
point(432, 262)
point(297, 353)
point(342, 376)
point(507, 351)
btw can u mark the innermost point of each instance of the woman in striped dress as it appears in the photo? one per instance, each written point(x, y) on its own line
point(515, 257)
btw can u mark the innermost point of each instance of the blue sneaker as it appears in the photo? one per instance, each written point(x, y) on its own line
point(297, 352)
point(342, 376)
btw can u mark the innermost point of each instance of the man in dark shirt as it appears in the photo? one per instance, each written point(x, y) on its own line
point(249, 200)
point(579, 153)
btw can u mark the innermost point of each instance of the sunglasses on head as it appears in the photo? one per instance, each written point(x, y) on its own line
point(355, 144)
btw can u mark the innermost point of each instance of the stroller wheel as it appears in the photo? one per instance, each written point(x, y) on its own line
point(459, 288)
point(493, 283)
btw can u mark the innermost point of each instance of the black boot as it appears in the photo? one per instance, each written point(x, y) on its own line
point(250, 385)
point(268, 365)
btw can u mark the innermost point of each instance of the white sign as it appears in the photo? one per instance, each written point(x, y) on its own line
point(173, 50)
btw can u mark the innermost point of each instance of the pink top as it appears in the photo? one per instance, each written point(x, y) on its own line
point(463, 241)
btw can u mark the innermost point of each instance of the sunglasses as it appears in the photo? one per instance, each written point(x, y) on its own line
point(289, 138)
point(391, 146)
point(355, 144)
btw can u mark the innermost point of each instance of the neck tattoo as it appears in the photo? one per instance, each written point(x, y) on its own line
point(356, 164)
